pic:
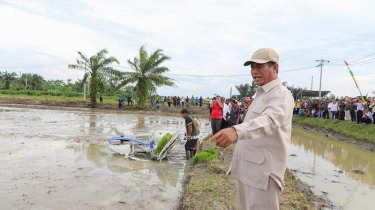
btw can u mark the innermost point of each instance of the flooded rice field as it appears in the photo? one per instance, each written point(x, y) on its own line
point(56, 159)
point(340, 171)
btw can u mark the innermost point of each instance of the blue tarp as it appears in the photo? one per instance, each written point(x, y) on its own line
point(129, 139)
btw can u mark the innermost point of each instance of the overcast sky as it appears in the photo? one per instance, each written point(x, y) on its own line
point(208, 41)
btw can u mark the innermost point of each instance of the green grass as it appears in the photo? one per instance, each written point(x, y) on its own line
point(161, 144)
point(347, 128)
point(205, 156)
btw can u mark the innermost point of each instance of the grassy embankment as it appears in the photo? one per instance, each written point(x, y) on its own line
point(48, 98)
point(110, 102)
point(346, 128)
point(208, 187)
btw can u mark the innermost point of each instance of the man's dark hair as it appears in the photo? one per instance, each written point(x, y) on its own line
point(271, 63)
point(184, 111)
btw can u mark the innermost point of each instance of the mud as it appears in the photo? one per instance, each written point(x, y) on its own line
point(56, 159)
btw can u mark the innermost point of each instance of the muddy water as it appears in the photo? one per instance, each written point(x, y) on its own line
point(53, 159)
point(327, 164)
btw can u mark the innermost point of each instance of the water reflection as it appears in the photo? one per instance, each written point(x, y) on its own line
point(326, 164)
point(344, 156)
point(166, 173)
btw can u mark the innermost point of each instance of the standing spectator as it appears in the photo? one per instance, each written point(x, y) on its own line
point(359, 109)
point(178, 100)
point(297, 106)
point(130, 101)
point(123, 99)
point(207, 101)
point(169, 101)
point(201, 101)
point(182, 102)
point(326, 110)
point(174, 101)
point(216, 115)
point(330, 108)
point(352, 108)
point(196, 101)
point(334, 109)
point(119, 102)
point(226, 111)
point(321, 105)
point(309, 106)
point(192, 100)
point(101, 100)
point(234, 116)
point(347, 109)
point(341, 114)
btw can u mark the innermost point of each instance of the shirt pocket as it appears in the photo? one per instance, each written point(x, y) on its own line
point(253, 166)
point(254, 112)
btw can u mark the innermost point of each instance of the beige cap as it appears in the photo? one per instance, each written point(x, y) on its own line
point(263, 55)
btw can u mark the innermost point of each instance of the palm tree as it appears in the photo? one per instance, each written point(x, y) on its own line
point(7, 79)
point(147, 74)
point(252, 89)
point(95, 67)
point(243, 89)
point(36, 81)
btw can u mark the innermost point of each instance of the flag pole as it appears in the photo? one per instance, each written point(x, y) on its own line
point(356, 84)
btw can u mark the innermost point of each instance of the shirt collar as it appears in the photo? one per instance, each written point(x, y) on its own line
point(267, 87)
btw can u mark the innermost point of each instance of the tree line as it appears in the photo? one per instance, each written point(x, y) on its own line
point(147, 74)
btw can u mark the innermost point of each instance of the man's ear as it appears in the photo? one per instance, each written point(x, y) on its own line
point(276, 67)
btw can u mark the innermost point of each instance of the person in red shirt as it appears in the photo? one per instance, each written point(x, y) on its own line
point(216, 115)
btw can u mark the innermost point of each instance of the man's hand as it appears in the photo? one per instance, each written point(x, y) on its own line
point(225, 137)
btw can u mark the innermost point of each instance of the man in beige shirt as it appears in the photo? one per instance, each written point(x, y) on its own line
point(259, 159)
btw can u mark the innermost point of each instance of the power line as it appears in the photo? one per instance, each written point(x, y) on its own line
point(362, 58)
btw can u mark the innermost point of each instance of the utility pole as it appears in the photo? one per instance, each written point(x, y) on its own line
point(312, 79)
point(321, 69)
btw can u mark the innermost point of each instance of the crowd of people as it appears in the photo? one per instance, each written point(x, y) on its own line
point(351, 109)
point(178, 101)
point(225, 113)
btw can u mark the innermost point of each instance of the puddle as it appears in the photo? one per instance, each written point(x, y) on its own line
point(329, 165)
point(57, 159)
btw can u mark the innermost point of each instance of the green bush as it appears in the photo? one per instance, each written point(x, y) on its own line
point(205, 156)
point(161, 144)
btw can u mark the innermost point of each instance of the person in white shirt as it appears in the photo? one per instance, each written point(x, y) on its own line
point(334, 109)
point(367, 117)
point(359, 110)
point(330, 109)
point(226, 111)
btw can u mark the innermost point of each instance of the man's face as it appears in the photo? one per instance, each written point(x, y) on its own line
point(183, 115)
point(263, 73)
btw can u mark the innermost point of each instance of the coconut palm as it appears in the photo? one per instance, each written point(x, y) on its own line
point(243, 89)
point(252, 89)
point(95, 67)
point(147, 74)
point(7, 79)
